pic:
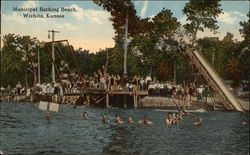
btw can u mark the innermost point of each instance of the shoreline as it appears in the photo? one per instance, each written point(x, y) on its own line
point(148, 102)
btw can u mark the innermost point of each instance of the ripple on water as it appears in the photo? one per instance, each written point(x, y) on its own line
point(24, 130)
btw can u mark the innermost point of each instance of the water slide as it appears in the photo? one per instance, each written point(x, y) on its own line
point(214, 80)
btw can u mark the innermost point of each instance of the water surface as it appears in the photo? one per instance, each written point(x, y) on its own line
point(25, 131)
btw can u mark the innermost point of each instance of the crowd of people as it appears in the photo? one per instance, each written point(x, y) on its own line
point(74, 84)
point(171, 119)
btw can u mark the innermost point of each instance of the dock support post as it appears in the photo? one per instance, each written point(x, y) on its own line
point(107, 100)
point(135, 100)
point(125, 101)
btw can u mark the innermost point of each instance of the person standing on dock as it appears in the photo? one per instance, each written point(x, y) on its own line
point(108, 81)
point(18, 90)
point(162, 90)
point(56, 91)
point(191, 92)
point(112, 82)
point(28, 92)
point(200, 94)
point(142, 84)
point(102, 82)
point(148, 80)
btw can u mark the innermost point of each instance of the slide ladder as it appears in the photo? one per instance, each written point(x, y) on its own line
point(227, 98)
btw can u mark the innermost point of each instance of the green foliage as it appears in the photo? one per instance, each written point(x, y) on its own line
point(154, 47)
point(19, 54)
point(244, 47)
point(226, 53)
point(120, 10)
point(164, 71)
point(159, 45)
point(234, 71)
point(201, 14)
point(245, 31)
point(164, 25)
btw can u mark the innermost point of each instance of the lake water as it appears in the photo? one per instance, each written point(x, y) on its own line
point(25, 131)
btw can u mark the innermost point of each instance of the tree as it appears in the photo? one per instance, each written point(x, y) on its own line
point(120, 10)
point(244, 47)
point(234, 71)
point(20, 53)
point(245, 31)
point(158, 45)
point(82, 60)
point(209, 48)
point(164, 71)
point(201, 14)
point(164, 24)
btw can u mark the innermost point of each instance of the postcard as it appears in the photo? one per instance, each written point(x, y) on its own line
point(124, 77)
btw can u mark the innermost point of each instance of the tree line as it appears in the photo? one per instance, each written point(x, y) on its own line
point(156, 47)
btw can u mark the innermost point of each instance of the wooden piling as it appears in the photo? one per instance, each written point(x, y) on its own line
point(135, 100)
point(107, 100)
point(125, 101)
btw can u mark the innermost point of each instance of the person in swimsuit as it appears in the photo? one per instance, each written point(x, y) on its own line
point(85, 116)
point(130, 120)
point(198, 122)
point(145, 121)
point(169, 119)
point(104, 118)
point(118, 119)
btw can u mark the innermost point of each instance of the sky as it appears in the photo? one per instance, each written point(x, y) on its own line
point(89, 28)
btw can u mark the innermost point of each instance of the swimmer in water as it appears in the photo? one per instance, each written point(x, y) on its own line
point(178, 116)
point(118, 119)
point(145, 121)
point(130, 120)
point(198, 122)
point(182, 113)
point(174, 119)
point(104, 119)
point(169, 119)
point(243, 123)
point(85, 116)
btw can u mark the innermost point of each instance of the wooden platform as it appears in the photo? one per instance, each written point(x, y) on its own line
point(107, 93)
point(103, 91)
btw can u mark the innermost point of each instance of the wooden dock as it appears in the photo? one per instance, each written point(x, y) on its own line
point(123, 94)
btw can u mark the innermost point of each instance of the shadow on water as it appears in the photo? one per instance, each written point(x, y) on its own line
point(239, 135)
point(118, 144)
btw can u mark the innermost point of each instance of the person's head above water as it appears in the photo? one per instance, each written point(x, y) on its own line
point(199, 119)
point(130, 119)
point(169, 115)
point(104, 115)
point(146, 118)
